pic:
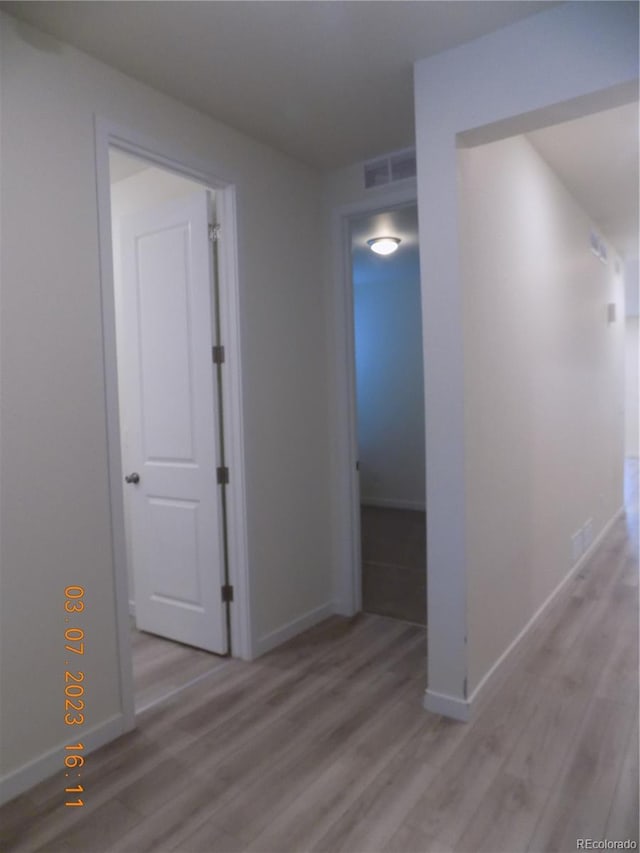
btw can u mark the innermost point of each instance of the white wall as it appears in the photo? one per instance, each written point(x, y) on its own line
point(145, 189)
point(55, 501)
point(632, 286)
point(130, 195)
point(568, 61)
point(632, 380)
point(543, 387)
point(390, 388)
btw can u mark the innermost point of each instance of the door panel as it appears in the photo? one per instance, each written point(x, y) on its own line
point(164, 344)
point(176, 519)
point(173, 551)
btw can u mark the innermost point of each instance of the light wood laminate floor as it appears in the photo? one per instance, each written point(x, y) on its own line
point(160, 667)
point(322, 745)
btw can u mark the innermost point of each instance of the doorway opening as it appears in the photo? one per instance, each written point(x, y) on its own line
point(389, 392)
point(167, 325)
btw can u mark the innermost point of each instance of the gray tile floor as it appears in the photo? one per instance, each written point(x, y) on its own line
point(394, 563)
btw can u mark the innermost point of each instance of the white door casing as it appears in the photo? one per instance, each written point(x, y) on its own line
point(172, 423)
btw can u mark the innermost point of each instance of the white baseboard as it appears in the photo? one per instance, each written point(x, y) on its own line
point(448, 706)
point(496, 673)
point(39, 769)
point(393, 503)
point(286, 632)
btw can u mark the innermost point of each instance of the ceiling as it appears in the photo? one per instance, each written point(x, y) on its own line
point(330, 83)
point(399, 222)
point(597, 157)
point(122, 166)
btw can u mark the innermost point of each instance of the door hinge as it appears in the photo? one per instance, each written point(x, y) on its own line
point(214, 232)
point(217, 353)
point(223, 475)
point(227, 593)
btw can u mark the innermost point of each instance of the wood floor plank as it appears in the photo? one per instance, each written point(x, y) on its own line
point(171, 711)
point(624, 816)
point(133, 746)
point(177, 820)
point(580, 619)
point(541, 752)
point(149, 792)
point(196, 704)
point(381, 808)
point(505, 818)
point(252, 739)
point(453, 797)
point(222, 702)
point(560, 634)
point(115, 768)
point(619, 678)
point(410, 839)
point(327, 638)
point(584, 795)
point(305, 819)
point(298, 767)
point(15, 815)
point(94, 832)
point(580, 667)
point(593, 584)
point(377, 814)
point(209, 838)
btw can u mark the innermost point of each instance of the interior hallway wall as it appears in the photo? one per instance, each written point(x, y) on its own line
point(55, 498)
point(632, 380)
point(632, 286)
point(632, 308)
point(562, 63)
point(543, 387)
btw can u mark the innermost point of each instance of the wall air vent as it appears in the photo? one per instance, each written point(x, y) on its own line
point(391, 168)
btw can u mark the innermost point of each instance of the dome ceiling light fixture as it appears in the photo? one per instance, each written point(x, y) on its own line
point(383, 245)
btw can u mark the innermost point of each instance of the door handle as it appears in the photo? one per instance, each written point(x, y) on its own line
point(132, 478)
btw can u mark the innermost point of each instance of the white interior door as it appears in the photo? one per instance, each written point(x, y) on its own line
point(172, 422)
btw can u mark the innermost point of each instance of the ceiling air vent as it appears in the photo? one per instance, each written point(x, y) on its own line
point(393, 167)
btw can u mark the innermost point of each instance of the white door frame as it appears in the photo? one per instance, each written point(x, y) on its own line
point(346, 510)
point(109, 134)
